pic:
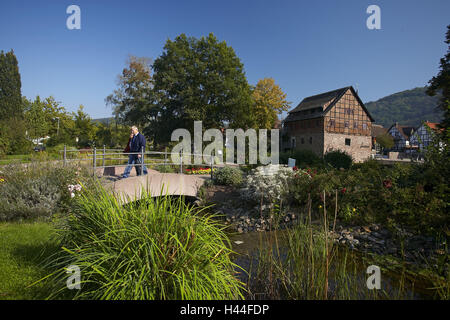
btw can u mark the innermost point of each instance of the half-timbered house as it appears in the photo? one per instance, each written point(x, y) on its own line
point(334, 120)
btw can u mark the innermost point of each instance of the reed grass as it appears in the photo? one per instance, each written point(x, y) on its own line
point(154, 248)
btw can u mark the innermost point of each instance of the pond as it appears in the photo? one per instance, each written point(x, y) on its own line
point(394, 284)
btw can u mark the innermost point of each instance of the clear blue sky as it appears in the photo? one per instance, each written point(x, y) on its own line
point(308, 47)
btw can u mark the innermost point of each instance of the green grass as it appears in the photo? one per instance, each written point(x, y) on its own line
point(149, 249)
point(23, 246)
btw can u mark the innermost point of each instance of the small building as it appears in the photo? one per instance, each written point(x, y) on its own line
point(423, 135)
point(334, 120)
point(401, 135)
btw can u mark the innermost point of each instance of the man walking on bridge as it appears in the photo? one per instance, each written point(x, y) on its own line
point(137, 144)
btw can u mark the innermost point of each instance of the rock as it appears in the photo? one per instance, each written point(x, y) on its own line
point(240, 230)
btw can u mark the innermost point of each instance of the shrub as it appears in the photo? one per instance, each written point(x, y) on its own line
point(148, 249)
point(228, 176)
point(338, 159)
point(36, 190)
point(269, 183)
point(303, 158)
point(165, 169)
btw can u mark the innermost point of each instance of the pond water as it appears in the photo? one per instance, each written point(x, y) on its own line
point(395, 284)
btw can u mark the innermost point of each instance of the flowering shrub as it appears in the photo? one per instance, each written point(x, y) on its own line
point(73, 188)
point(269, 183)
point(37, 190)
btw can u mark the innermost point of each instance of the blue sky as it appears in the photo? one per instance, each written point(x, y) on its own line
point(308, 47)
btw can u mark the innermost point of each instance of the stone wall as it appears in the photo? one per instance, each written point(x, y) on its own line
point(317, 142)
point(359, 148)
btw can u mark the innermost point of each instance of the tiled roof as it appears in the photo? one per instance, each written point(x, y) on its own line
point(378, 130)
point(313, 106)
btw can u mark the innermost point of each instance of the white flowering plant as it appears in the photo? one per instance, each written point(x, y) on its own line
point(269, 183)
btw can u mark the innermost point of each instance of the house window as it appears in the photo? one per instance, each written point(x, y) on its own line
point(346, 124)
point(293, 142)
point(317, 123)
point(303, 141)
point(364, 126)
point(355, 125)
point(348, 142)
point(310, 140)
point(331, 123)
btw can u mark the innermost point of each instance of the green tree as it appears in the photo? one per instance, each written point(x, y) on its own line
point(385, 140)
point(441, 83)
point(10, 87)
point(84, 128)
point(12, 124)
point(269, 101)
point(199, 79)
point(131, 101)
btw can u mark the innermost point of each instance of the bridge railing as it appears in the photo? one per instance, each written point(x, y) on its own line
point(108, 158)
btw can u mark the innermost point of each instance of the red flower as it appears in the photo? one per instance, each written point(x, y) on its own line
point(344, 190)
point(295, 168)
point(387, 183)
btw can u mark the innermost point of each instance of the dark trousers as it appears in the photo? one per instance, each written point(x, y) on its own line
point(137, 166)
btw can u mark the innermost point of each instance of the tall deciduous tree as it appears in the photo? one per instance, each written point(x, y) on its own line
point(441, 83)
point(131, 101)
point(199, 79)
point(269, 101)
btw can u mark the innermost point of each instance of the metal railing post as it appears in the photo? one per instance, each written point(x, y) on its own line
point(181, 162)
point(165, 156)
point(142, 160)
point(65, 155)
point(212, 166)
point(94, 160)
point(104, 151)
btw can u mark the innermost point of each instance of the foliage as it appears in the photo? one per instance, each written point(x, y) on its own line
point(303, 158)
point(165, 169)
point(385, 140)
point(338, 159)
point(409, 107)
point(269, 101)
point(10, 87)
point(228, 176)
point(36, 190)
point(267, 184)
point(406, 195)
point(131, 101)
point(441, 83)
point(148, 249)
point(12, 126)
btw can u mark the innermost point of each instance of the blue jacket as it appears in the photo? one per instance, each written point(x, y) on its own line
point(137, 143)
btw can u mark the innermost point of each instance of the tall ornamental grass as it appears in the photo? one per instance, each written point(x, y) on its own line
point(154, 248)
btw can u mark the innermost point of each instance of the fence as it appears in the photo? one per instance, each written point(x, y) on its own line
point(104, 155)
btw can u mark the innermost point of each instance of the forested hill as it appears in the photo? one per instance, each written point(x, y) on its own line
point(408, 107)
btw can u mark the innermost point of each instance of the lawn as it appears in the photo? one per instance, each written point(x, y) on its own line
point(23, 246)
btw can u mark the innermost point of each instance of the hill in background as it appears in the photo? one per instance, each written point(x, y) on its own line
point(409, 107)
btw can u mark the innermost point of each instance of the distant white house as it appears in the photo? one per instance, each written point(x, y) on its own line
point(423, 135)
point(401, 135)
